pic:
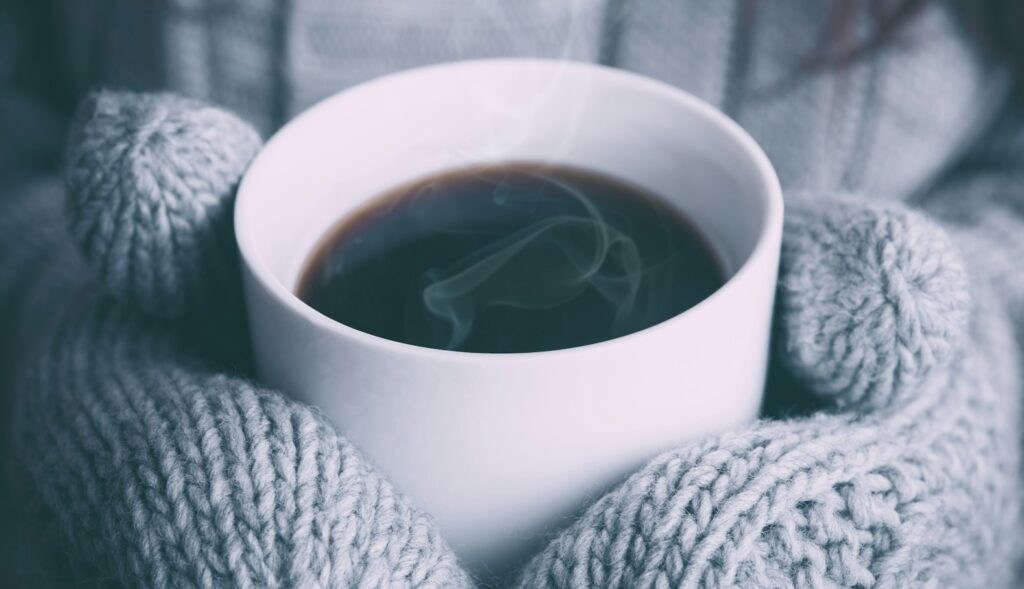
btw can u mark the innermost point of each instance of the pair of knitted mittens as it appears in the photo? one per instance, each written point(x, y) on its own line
point(144, 459)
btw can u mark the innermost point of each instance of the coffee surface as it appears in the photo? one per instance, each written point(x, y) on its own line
point(513, 257)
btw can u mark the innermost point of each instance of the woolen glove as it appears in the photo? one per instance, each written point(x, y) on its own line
point(146, 457)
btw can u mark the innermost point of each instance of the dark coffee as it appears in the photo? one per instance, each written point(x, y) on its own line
point(509, 258)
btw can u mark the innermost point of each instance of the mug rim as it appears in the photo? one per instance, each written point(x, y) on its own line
point(769, 187)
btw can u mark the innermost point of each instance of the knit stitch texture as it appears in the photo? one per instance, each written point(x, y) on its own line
point(140, 463)
point(142, 456)
point(150, 186)
point(150, 468)
point(150, 471)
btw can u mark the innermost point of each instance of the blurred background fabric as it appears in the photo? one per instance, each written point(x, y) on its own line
point(922, 99)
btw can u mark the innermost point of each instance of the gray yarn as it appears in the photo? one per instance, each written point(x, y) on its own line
point(151, 470)
point(150, 182)
point(880, 127)
point(138, 463)
point(147, 470)
point(915, 488)
point(857, 274)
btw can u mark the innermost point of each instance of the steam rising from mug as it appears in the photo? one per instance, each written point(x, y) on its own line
point(359, 341)
point(541, 266)
point(510, 257)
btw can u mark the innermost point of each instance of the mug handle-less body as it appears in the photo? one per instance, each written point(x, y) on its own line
point(500, 448)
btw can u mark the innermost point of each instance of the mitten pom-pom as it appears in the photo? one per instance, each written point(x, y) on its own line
point(873, 297)
point(151, 181)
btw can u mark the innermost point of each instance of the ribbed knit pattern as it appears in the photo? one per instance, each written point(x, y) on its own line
point(150, 471)
point(917, 487)
point(137, 462)
point(151, 181)
point(141, 456)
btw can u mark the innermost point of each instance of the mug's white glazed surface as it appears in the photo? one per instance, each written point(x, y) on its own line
point(501, 448)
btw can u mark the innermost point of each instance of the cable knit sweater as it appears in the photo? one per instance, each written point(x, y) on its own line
point(140, 454)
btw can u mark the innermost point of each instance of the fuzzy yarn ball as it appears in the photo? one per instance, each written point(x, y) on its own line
point(872, 298)
point(151, 181)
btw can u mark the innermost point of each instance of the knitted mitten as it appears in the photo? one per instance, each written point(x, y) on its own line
point(909, 481)
point(147, 466)
point(142, 464)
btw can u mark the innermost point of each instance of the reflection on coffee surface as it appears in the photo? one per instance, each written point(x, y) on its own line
point(512, 257)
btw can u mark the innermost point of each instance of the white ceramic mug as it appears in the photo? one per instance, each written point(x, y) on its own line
point(501, 448)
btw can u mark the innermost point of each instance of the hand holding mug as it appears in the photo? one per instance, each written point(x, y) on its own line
point(501, 447)
point(334, 490)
